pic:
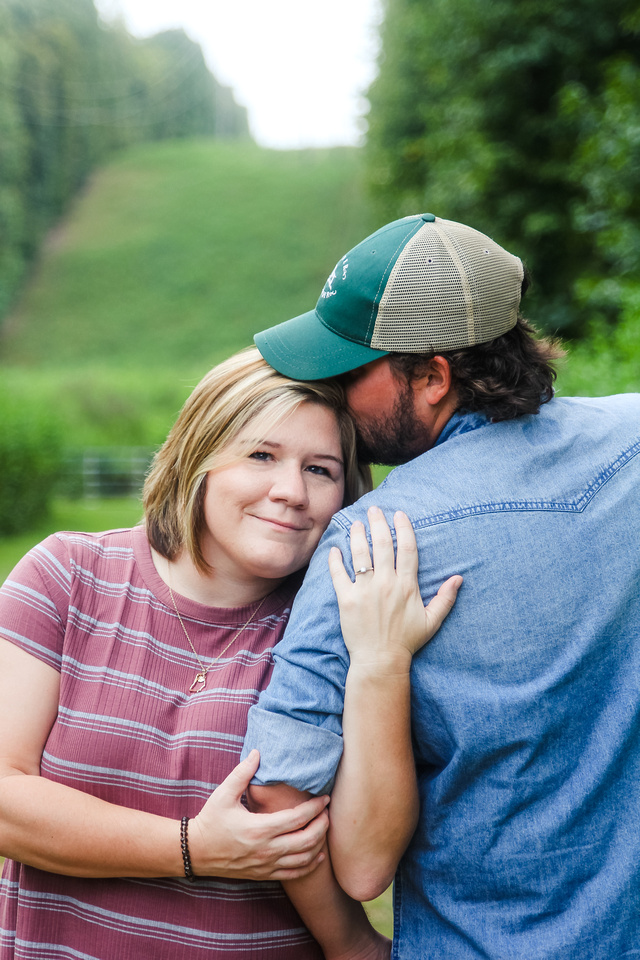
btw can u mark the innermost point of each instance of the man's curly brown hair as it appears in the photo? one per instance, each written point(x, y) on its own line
point(505, 378)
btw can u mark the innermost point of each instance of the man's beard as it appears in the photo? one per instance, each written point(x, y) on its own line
point(396, 438)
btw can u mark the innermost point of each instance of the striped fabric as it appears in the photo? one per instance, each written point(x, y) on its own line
point(94, 607)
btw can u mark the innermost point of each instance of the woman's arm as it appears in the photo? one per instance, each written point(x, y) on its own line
point(63, 830)
point(374, 804)
point(338, 923)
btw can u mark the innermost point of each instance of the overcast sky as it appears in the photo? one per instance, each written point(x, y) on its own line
point(300, 67)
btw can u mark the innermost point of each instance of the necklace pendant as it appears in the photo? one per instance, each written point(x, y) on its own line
point(201, 679)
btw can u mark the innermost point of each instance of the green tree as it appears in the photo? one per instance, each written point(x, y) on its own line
point(503, 115)
point(13, 155)
point(71, 91)
point(31, 454)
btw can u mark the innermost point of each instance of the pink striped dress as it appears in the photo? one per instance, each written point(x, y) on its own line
point(94, 607)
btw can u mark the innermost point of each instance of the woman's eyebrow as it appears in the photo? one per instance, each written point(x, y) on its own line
point(327, 456)
point(315, 456)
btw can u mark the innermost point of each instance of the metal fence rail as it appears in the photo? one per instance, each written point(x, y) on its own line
point(105, 472)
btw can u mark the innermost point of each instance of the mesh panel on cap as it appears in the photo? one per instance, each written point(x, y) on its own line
point(451, 287)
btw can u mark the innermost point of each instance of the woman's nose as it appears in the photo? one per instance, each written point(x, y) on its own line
point(290, 485)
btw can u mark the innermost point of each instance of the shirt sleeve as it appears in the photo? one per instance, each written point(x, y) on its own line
point(34, 601)
point(297, 723)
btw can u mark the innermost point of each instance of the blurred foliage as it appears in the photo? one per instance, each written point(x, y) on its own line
point(607, 359)
point(103, 406)
point(71, 90)
point(523, 120)
point(30, 454)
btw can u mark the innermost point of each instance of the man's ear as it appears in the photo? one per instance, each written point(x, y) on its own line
point(435, 385)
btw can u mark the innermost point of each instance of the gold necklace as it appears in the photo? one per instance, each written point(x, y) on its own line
point(201, 677)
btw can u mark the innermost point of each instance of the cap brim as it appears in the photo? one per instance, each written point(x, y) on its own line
point(304, 349)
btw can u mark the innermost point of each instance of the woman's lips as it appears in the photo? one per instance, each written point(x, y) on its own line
point(282, 524)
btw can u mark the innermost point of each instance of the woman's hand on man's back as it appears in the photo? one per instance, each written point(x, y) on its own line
point(383, 619)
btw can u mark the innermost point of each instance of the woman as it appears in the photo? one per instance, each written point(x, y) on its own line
point(128, 665)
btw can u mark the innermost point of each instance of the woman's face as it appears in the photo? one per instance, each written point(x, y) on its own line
point(265, 514)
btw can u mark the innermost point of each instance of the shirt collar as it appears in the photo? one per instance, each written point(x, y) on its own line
point(461, 423)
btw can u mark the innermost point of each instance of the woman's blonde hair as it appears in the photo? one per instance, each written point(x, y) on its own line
point(242, 389)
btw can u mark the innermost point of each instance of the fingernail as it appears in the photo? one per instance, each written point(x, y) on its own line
point(376, 511)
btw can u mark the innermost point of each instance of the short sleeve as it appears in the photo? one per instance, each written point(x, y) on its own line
point(297, 723)
point(34, 601)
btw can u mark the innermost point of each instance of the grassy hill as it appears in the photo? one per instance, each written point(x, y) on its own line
point(180, 251)
point(172, 258)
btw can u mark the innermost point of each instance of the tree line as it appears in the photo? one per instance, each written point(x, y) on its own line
point(521, 118)
point(72, 89)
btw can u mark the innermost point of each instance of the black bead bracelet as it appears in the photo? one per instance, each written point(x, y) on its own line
point(184, 844)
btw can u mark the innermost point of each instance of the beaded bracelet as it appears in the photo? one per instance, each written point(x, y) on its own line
point(184, 843)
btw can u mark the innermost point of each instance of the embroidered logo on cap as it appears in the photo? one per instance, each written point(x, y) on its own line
point(333, 276)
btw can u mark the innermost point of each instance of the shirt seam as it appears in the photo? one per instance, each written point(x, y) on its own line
point(577, 505)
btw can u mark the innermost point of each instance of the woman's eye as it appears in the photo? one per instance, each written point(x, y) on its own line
point(260, 455)
point(320, 471)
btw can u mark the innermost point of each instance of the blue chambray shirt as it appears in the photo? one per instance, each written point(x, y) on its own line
point(526, 704)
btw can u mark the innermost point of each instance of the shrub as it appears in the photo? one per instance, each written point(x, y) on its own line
point(608, 359)
point(30, 457)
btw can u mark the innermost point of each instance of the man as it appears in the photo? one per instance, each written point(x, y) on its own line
point(526, 705)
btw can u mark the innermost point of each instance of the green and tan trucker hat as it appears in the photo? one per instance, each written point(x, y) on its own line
point(417, 285)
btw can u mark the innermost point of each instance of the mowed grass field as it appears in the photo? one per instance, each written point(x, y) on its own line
point(89, 515)
point(177, 253)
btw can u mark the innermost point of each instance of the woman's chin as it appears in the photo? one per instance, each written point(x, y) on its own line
point(277, 571)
